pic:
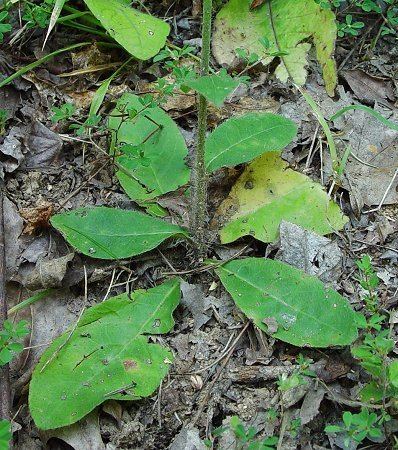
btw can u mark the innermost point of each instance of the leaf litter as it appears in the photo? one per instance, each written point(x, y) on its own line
point(140, 423)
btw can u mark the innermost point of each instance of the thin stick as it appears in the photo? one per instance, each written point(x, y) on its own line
point(217, 376)
point(385, 194)
point(85, 183)
point(198, 211)
point(309, 157)
point(5, 387)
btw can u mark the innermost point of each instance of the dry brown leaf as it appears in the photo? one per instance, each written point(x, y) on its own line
point(369, 89)
point(37, 218)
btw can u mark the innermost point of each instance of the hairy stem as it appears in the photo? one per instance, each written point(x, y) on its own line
point(198, 213)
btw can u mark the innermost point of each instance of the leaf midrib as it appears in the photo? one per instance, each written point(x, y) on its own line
point(281, 301)
point(236, 143)
point(123, 348)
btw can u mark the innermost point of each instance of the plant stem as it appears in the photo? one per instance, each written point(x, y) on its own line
point(5, 388)
point(198, 213)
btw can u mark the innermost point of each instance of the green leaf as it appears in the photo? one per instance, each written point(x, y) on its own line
point(268, 192)
point(106, 357)
point(287, 26)
point(333, 429)
point(372, 393)
point(5, 434)
point(101, 92)
point(99, 96)
point(242, 139)
point(393, 373)
point(140, 34)
point(108, 233)
point(307, 313)
point(215, 88)
point(154, 162)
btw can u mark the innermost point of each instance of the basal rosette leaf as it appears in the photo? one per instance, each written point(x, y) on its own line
point(107, 356)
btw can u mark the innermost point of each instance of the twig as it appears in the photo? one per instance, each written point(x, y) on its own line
point(5, 387)
point(159, 402)
point(309, 157)
point(223, 354)
point(385, 194)
point(76, 191)
point(217, 376)
point(282, 431)
point(110, 285)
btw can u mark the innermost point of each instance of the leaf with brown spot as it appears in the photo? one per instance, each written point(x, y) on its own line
point(106, 357)
point(291, 28)
point(308, 313)
point(256, 4)
point(130, 364)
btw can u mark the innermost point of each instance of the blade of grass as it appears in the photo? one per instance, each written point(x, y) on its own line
point(29, 301)
point(103, 89)
point(372, 112)
point(322, 121)
point(58, 5)
point(88, 17)
point(40, 61)
point(73, 16)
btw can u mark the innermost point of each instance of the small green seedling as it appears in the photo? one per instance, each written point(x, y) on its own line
point(349, 27)
point(37, 15)
point(358, 427)
point(369, 281)
point(245, 437)
point(10, 338)
point(173, 56)
point(373, 353)
point(64, 112)
point(90, 123)
point(297, 378)
point(4, 26)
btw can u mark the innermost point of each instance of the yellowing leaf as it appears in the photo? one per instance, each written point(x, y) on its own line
point(287, 25)
point(267, 193)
